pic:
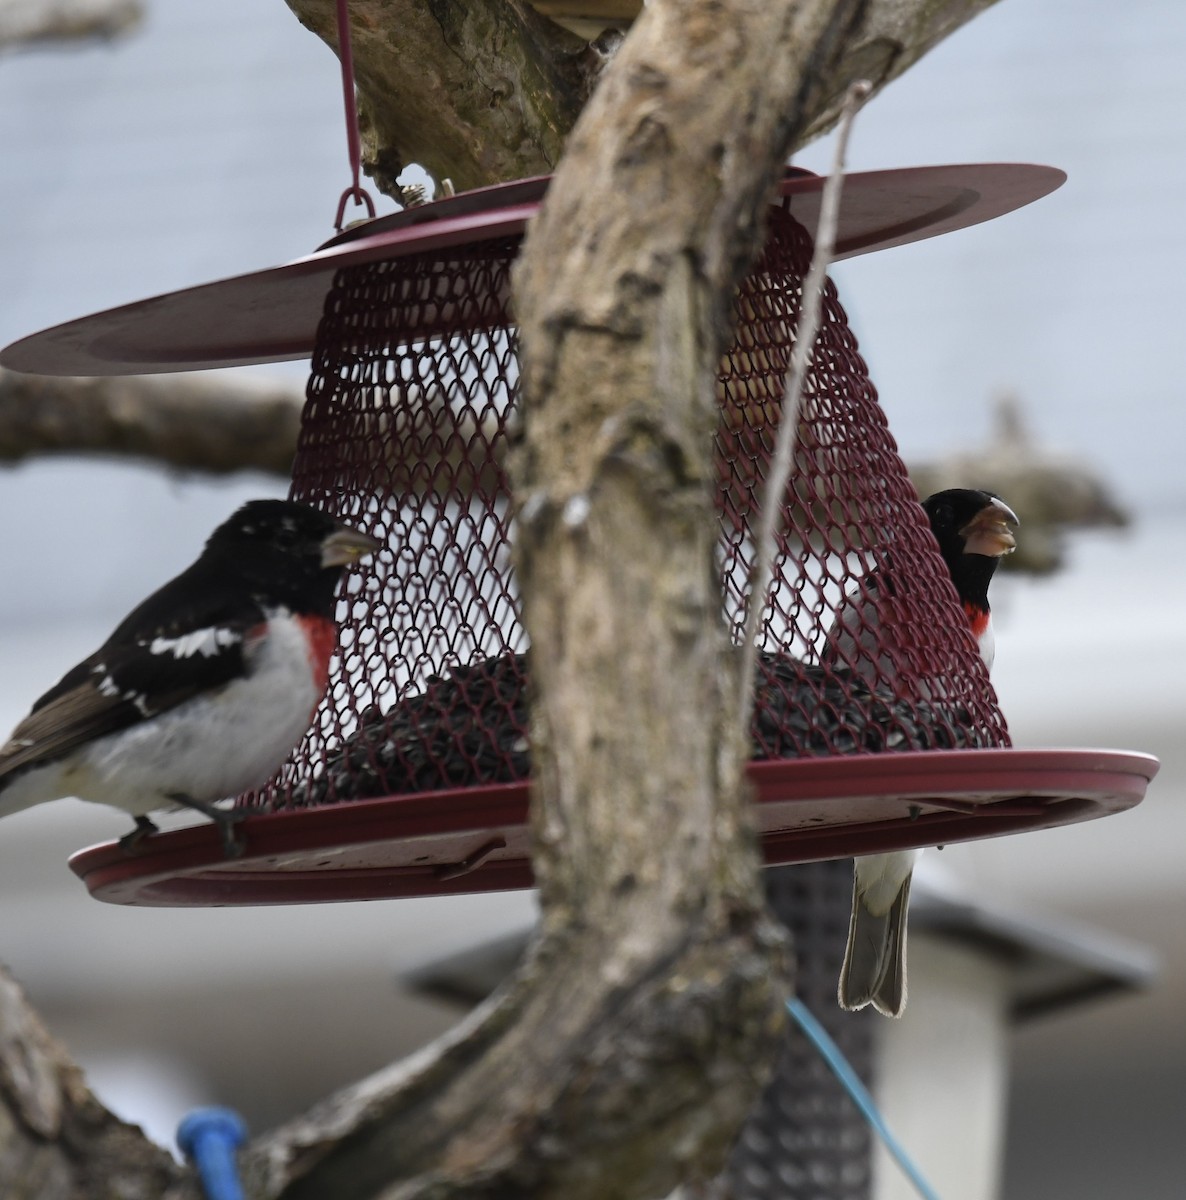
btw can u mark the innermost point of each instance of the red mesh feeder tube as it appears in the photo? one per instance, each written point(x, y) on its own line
point(413, 777)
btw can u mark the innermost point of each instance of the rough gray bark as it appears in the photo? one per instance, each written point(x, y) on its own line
point(216, 426)
point(57, 1142)
point(622, 1059)
point(483, 91)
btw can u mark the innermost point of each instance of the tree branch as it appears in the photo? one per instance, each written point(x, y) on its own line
point(892, 36)
point(211, 425)
point(485, 91)
point(220, 426)
point(28, 22)
point(57, 1142)
point(1051, 492)
point(475, 91)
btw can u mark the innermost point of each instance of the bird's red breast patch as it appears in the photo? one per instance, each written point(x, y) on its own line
point(321, 637)
point(977, 618)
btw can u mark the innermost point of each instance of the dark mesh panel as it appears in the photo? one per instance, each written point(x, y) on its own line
point(806, 1140)
point(412, 390)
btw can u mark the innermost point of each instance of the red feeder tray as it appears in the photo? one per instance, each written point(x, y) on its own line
point(412, 777)
point(476, 839)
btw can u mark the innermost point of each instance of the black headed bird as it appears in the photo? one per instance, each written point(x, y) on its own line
point(974, 530)
point(204, 688)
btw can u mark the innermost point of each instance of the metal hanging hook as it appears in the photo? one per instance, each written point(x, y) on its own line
point(355, 191)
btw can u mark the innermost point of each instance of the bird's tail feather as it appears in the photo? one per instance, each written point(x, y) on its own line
point(20, 790)
point(874, 970)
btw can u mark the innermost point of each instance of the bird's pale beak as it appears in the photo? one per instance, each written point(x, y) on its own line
point(990, 531)
point(345, 546)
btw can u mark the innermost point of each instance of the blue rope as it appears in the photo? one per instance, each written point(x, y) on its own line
point(858, 1093)
point(209, 1137)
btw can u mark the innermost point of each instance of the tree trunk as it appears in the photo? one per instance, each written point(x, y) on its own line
point(623, 1059)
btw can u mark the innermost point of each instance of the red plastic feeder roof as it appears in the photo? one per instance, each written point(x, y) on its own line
point(272, 315)
point(476, 839)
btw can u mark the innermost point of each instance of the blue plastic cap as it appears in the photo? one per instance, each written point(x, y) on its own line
point(209, 1138)
point(222, 1124)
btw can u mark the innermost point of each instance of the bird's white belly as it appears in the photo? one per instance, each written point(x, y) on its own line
point(208, 749)
point(988, 645)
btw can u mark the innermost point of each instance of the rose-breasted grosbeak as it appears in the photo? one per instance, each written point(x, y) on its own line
point(205, 687)
point(974, 529)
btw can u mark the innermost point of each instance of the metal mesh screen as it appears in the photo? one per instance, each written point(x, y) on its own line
point(409, 403)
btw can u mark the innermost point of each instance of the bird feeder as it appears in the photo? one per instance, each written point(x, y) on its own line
point(413, 778)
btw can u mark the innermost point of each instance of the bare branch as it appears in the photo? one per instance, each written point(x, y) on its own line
point(1051, 492)
point(211, 425)
point(488, 92)
point(29, 22)
point(219, 426)
point(893, 35)
point(476, 92)
point(56, 1140)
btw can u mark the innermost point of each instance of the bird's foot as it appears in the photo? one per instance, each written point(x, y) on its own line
point(225, 818)
point(130, 842)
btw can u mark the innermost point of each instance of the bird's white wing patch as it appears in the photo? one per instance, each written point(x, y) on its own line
point(206, 642)
point(107, 685)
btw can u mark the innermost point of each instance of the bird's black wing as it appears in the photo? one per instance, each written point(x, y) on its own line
point(187, 638)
